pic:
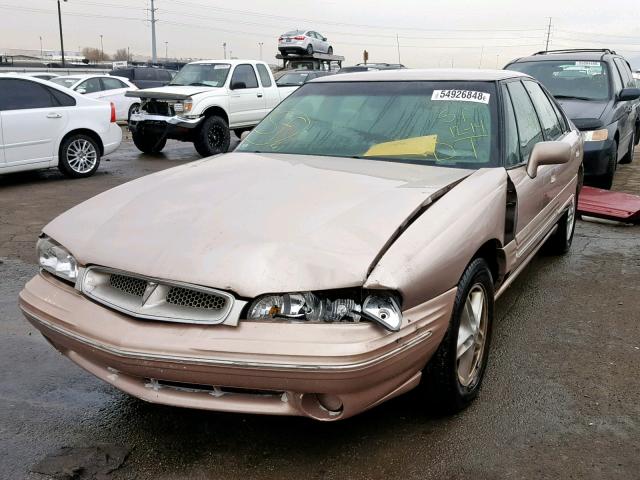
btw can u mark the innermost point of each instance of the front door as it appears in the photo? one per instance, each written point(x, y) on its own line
point(32, 122)
point(246, 97)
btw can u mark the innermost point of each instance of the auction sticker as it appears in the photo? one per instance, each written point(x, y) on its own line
point(461, 96)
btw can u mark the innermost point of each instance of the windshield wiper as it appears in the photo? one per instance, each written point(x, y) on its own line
point(573, 97)
point(198, 84)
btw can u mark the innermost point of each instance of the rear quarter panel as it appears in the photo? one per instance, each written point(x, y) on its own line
point(429, 258)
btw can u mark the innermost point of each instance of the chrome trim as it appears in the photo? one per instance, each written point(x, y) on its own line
point(218, 362)
point(153, 305)
point(176, 120)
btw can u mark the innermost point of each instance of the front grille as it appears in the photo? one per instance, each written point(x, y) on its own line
point(155, 107)
point(157, 299)
point(129, 285)
point(194, 299)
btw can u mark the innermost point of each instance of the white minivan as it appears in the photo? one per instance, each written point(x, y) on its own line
point(43, 125)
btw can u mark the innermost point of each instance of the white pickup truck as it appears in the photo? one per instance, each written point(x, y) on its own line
point(203, 102)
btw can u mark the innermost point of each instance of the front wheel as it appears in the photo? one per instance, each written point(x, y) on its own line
point(560, 242)
point(330, 51)
point(454, 374)
point(79, 156)
point(309, 49)
point(148, 143)
point(213, 137)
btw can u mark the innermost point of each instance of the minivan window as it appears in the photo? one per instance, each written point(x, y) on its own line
point(451, 124)
point(625, 73)
point(528, 125)
point(546, 113)
point(23, 94)
point(579, 79)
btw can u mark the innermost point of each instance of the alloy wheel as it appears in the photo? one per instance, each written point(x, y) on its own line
point(472, 336)
point(82, 156)
point(215, 136)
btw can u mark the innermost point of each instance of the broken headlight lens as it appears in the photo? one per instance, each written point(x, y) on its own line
point(382, 308)
point(56, 260)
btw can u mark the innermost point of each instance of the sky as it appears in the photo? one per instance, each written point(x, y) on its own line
point(458, 33)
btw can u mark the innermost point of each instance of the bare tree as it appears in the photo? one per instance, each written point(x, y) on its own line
point(121, 55)
point(94, 54)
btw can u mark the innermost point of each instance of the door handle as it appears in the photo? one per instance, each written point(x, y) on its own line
point(259, 95)
point(54, 115)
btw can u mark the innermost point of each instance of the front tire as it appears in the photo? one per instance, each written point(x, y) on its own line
point(330, 51)
point(213, 137)
point(309, 49)
point(560, 242)
point(148, 143)
point(79, 156)
point(454, 374)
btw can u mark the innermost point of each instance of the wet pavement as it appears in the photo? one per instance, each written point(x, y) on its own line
point(560, 399)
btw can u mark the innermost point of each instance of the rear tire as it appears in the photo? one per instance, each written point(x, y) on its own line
point(628, 158)
point(309, 49)
point(135, 108)
point(79, 156)
point(148, 143)
point(560, 242)
point(240, 131)
point(213, 137)
point(606, 181)
point(330, 51)
point(453, 377)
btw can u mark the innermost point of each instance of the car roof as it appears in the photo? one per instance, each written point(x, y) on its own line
point(572, 55)
point(448, 74)
point(232, 62)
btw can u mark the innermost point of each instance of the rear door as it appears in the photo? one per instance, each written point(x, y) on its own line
point(33, 121)
point(246, 96)
point(523, 131)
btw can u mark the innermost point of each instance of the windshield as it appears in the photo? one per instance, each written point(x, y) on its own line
point(65, 81)
point(292, 79)
point(432, 123)
point(202, 74)
point(583, 80)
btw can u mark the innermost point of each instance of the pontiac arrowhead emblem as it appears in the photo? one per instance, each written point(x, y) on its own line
point(151, 287)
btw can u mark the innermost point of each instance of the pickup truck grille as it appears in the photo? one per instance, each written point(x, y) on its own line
point(155, 107)
point(156, 299)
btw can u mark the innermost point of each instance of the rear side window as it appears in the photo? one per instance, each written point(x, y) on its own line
point(546, 113)
point(91, 85)
point(164, 75)
point(246, 75)
point(146, 74)
point(529, 128)
point(62, 99)
point(512, 153)
point(23, 94)
point(625, 73)
point(265, 78)
point(112, 84)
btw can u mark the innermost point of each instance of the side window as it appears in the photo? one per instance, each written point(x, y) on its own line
point(529, 128)
point(617, 80)
point(512, 142)
point(625, 73)
point(265, 78)
point(546, 113)
point(112, 84)
point(91, 85)
point(245, 74)
point(62, 99)
point(164, 75)
point(145, 74)
point(564, 124)
point(23, 94)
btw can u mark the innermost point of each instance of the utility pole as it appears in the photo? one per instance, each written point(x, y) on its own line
point(101, 49)
point(260, 45)
point(60, 25)
point(548, 35)
point(154, 53)
point(41, 51)
point(166, 52)
point(224, 49)
point(398, 44)
point(128, 55)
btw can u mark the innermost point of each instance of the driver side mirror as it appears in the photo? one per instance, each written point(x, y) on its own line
point(627, 94)
point(324, 39)
point(238, 85)
point(548, 153)
point(81, 90)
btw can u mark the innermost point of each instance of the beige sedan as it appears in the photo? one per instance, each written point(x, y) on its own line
point(349, 250)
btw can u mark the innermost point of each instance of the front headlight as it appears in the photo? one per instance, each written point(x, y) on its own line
point(183, 107)
point(595, 135)
point(56, 260)
point(382, 308)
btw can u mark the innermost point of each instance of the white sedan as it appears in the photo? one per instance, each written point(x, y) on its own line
point(104, 87)
point(43, 125)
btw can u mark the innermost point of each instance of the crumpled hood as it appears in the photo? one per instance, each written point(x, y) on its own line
point(583, 108)
point(252, 223)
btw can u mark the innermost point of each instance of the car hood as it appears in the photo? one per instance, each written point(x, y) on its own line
point(173, 91)
point(253, 223)
point(583, 108)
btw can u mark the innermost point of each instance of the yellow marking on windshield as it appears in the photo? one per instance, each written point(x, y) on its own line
point(416, 146)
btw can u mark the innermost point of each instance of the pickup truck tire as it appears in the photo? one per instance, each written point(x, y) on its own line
point(135, 108)
point(240, 131)
point(148, 143)
point(213, 137)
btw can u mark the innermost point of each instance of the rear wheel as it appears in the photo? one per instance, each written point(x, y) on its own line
point(309, 49)
point(454, 374)
point(213, 137)
point(148, 143)
point(135, 108)
point(79, 156)
point(628, 158)
point(240, 131)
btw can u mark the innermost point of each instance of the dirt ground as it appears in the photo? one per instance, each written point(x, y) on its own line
point(560, 399)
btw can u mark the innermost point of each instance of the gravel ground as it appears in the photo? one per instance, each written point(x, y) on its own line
point(560, 399)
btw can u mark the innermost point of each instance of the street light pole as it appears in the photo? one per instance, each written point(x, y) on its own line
point(166, 52)
point(101, 49)
point(60, 25)
point(224, 49)
point(41, 52)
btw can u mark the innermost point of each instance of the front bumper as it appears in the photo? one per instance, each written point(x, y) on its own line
point(171, 127)
point(257, 367)
point(597, 156)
